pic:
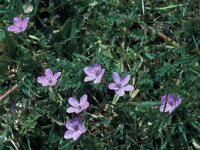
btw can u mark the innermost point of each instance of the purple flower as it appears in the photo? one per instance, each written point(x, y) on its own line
point(95, 73)
point(171, 104)
point(121, 84)
point(19, 25)
point(77, 107)
point(75, 128)
point(49, 79)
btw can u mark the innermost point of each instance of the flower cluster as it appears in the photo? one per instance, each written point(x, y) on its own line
point(95, 73)
point(75, 127)
point(120, 85)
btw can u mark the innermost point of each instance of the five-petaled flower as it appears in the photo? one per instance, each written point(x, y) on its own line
point(121, 84)
point(49, 79)
point(95, 73)
point(169, 103)
point(77, 107)
point(19, 25)
point(75, 128)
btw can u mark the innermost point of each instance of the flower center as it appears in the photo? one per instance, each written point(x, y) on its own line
point(19, 26)
point(118, 85)
point(171, 103)
point(50, 79)
point(96, 72)
point(79, 107)
point(76, 127)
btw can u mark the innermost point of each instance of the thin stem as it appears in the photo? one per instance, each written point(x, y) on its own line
point(2, 97)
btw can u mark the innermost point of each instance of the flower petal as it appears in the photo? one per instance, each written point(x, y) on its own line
point(69, 134)
point(48, 73)
point(89, 78)
point(120, 92)
point(116, 77)
point(72, 101)
point(128, 88)
point(178, 101)
point(53, 82)
point(76, 135)
point(85, 106)
point(171, 109)
point(89, 71)
point(113, 86)
point(56, 75)
point(43, 80)
point(124, 80)
point(14, 29)
point(97, 67)
point(98, 79)
point(77, 120)
point(69, 124)
point(17, 20)
point(169, 97)
point(82, 129)
point(73, 110)
point(167, 108)
point(24, 23)
point(83, 99)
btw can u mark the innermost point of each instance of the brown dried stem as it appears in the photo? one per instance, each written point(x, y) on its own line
point(2, 97)
point(162, 36)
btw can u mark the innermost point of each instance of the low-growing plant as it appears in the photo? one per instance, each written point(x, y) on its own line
point(133, 64)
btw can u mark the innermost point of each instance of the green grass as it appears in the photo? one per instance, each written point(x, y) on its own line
point(67, 36)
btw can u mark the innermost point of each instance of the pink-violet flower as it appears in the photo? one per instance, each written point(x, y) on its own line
point(94, 73)
point(19, 25)
point(75, 128)
point(77, 107)
point(49, 79)
point(121, 84)
point(171, 101)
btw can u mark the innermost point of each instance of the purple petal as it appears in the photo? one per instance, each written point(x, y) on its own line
point(98, 79)
point(96, 67)
point(73, 102)
point(69, 134)
point(76, 135)
point(82, 129)
point(56, 75)
point(171, 109)
point(83, 100)
point(89, 71)
point(167, 108)
point(170, 97)
point(85, 106)
point(24, 23)
point(17, 21)
point(73, 110)
point(178, 102)
point(53, 82)
point(128, 88)
point(113, 86)
point(116, 77)
point(120, 92)
point(14, 29)
point(124, 80)
point(77, 120)
point(48, 73)
point(43, 80)
point(89, 78)
point(69, 124)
